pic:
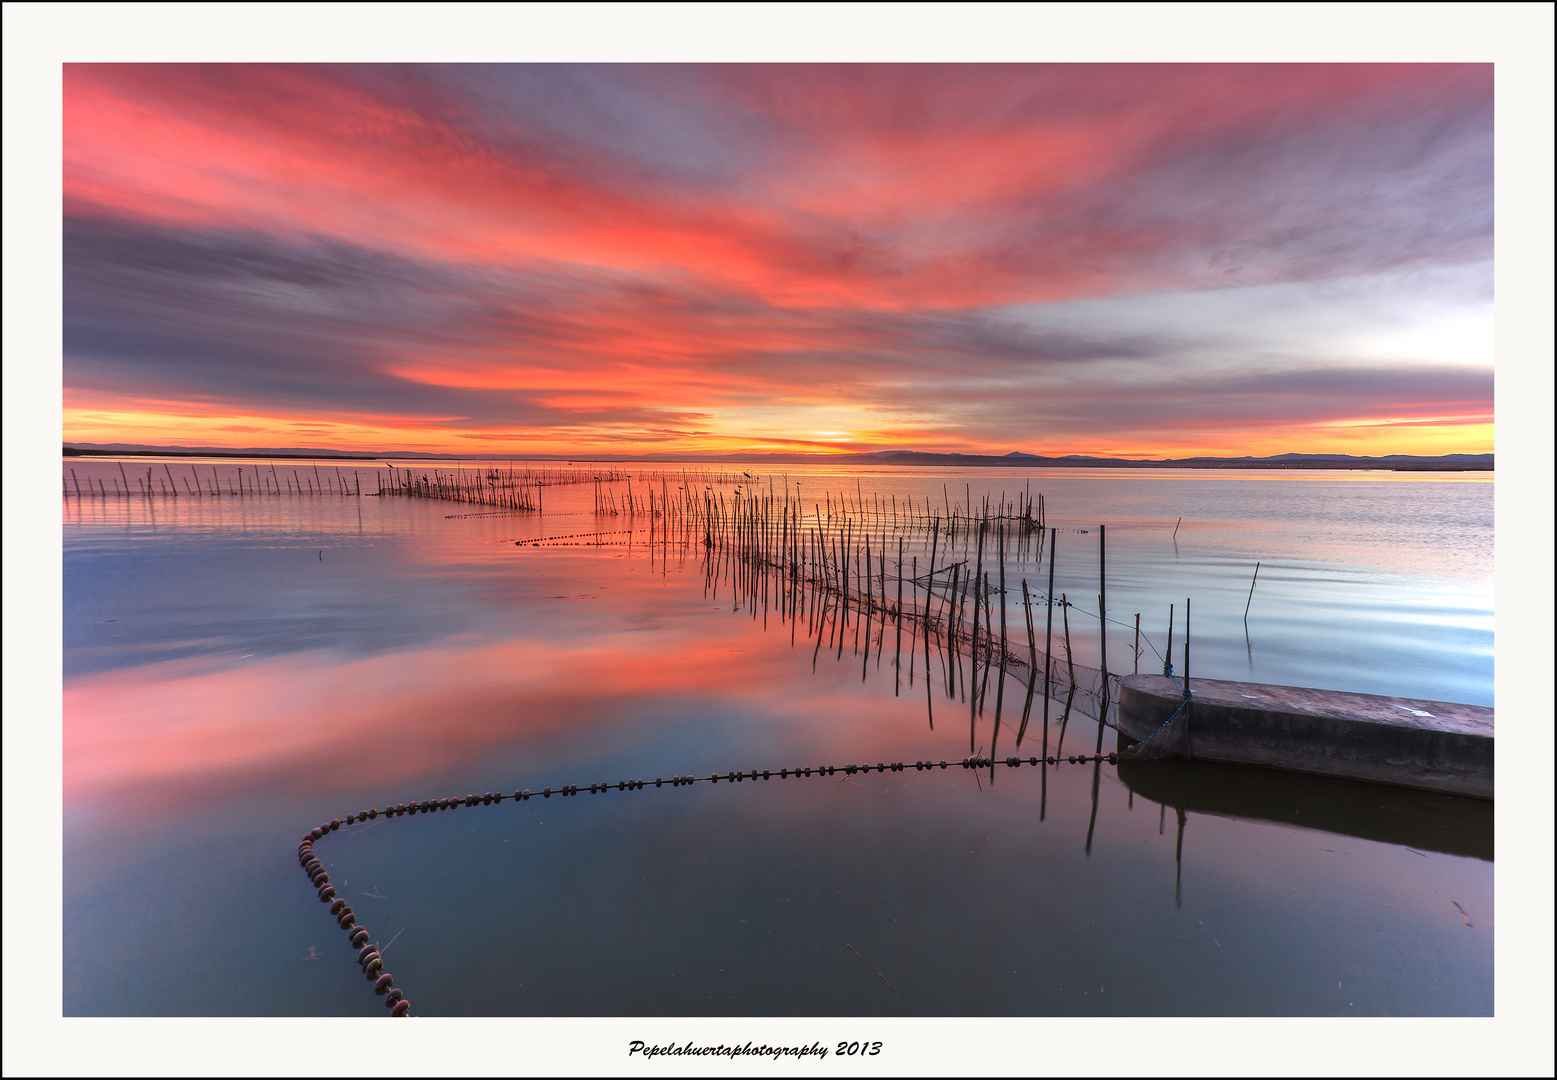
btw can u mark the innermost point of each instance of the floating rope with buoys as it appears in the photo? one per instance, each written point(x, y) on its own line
point(372, 963)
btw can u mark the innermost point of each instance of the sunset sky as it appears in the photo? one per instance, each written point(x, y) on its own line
point(1126, 260)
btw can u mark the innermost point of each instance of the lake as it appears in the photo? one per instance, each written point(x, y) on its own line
point(241, 668)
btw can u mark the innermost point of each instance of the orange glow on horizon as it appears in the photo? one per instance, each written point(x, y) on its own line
point(957, 258)
point(387, 435)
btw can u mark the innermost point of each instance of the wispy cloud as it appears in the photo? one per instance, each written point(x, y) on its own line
point(960, 257)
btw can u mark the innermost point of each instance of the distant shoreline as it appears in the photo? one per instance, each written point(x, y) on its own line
point(73, 452)
point(1333, 462)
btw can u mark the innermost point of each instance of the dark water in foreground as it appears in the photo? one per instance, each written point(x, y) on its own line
point(237, 671)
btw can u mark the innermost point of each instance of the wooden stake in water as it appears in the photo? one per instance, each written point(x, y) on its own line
point(1249, 601)
point(1032, 646)
point(1070, 664)
point(1002, 600)
point(1102, 610)
point(897, 664)
point(973, 652)
point(1048, 639)
point(1189, 708)
point(1186, 644)
point(929, 581)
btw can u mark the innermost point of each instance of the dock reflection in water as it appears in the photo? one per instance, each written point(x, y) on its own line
point(1430, 821)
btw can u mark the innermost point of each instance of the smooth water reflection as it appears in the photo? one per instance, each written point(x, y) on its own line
point(236, 671)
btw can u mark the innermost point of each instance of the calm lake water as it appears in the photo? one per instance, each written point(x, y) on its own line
point(239, 669)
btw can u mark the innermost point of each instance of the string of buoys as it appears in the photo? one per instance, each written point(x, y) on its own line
point(368, 958)
point(372, 963)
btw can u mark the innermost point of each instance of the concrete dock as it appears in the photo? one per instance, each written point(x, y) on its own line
point(1430, 745)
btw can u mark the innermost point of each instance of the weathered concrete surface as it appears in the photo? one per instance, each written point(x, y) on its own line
point(1433, 745)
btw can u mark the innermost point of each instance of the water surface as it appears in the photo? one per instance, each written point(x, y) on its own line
point(238, 669)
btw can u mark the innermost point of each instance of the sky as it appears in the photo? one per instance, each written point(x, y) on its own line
point(1120, 259)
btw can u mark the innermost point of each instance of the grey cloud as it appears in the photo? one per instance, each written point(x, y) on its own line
point(306, 327)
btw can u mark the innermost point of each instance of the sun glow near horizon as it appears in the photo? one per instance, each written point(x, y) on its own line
point(1126, 260)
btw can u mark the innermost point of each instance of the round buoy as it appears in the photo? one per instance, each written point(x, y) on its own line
point(383, 983)
point(335, 823)
point(347, 917)
point(315, 834)
point(360, 935)
point(367, 951)
point(394, 995)
point(336, 905)
point(326, 892)
point(402, 1008)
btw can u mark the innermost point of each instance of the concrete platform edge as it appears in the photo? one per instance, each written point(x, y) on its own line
point(1327, 739)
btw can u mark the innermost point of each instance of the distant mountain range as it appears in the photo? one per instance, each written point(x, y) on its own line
point(86, 449)
point(1443, 462)
point(1396, 462)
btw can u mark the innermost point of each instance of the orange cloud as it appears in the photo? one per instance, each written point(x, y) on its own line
point(538, 259)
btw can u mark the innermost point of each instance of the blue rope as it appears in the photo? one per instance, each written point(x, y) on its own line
point(1166, 722)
